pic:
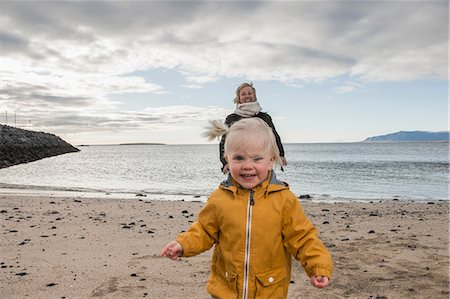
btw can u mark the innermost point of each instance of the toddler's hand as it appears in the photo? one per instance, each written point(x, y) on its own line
point(173, 250)
point(320, 281)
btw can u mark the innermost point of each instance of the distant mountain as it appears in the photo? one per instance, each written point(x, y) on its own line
point(412, 136)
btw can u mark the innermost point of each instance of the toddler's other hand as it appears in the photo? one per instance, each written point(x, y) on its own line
point(173, 250)
point(320, 281)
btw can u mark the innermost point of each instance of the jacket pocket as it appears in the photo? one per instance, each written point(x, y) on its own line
point(272, 284)
point(223, 285)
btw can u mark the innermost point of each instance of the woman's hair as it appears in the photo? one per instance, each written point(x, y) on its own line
point(238, 91)
point(247, 133)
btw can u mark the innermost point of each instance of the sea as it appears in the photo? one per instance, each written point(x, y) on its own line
point(417, 171)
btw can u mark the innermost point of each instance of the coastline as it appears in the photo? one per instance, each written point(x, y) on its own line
point(49, 191)
point(80, 247)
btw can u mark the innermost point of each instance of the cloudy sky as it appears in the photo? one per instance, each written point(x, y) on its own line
point(150, 71)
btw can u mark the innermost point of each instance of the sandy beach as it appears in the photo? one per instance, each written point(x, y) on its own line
point(72, 247)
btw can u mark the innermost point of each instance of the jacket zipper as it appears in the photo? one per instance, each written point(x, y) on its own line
point(250, 204)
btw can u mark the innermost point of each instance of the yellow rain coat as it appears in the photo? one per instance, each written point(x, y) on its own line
point(255, 232)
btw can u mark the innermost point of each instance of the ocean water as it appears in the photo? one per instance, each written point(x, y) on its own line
point(325, 171)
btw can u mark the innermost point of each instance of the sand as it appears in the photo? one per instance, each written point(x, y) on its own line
point(71, 247)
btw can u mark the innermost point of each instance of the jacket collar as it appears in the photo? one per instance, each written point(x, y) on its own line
point(271, 184)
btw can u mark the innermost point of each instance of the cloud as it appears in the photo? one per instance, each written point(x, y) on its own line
point(11, 42)
point(83, 120)
point(267, 40)
point(344, 89)
point(350, 86)
point(63, 61)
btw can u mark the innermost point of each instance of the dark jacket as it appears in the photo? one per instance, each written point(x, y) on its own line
point(232, 118)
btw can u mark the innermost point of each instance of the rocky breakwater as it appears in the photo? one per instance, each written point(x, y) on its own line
point(22, 146)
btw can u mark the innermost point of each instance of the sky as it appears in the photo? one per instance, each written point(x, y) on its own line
point(102, 72)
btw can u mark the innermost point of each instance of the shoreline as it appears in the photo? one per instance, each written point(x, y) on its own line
point(72, 247)
point(28, 190)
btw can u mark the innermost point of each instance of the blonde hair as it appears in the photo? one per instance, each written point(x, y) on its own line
point(238, 91)
point(246, 134)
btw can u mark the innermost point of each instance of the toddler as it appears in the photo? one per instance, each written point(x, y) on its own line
point(254, 222)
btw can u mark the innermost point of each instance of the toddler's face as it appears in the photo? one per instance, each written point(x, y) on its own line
point(251, 168)
point(246, 95)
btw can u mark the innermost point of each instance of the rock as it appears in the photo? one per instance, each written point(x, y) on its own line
point(304, 196)
point(19, 146)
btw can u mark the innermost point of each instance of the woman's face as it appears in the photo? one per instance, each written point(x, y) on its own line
point(247, 95)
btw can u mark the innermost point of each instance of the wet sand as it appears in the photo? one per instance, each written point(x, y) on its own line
point(70, 247)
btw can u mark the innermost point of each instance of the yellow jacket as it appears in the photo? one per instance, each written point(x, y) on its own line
point(255, 232)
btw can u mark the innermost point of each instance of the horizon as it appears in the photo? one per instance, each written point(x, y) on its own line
point(156, 72)
point(215, 142)
point(292, 143)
